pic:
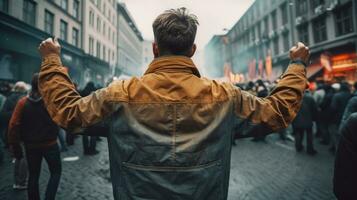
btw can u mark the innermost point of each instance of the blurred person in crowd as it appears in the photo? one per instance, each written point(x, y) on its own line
point(32, 125)
point(20, 169)
point(325, 114)
point(89, 142)
point(351, 106)
point(303, 123)
point(318, 96)
point(250, 87)
point(19, 90)
point(345, 173)
point(261, 91)
point(338, 104)
point(171, 130)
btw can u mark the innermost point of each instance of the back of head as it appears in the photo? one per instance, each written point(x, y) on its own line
point(20, 86)
point(345, 87)
point(175, 32)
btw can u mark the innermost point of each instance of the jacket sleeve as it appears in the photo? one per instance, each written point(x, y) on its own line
point(64, 104)
point(258, 116)
point(14, 138)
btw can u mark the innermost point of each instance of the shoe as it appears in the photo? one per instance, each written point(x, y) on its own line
point(312, 152)
point(19, 187)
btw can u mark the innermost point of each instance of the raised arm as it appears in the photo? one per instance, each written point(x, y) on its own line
point(259, 116)
point(64, 104)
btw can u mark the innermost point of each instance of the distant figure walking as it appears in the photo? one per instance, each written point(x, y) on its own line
point(32, 125)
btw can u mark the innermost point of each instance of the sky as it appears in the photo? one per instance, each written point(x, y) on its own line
point(213, 15)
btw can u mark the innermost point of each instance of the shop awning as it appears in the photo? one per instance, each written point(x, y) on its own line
point(312, 70)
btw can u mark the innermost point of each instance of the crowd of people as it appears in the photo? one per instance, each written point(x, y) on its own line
point(324, 110)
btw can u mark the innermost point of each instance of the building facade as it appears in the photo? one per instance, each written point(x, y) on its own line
point(24, 23)
point(147, 55)
point(129, 45)
point(258, 44)
point(87, 30)
point(100, 37)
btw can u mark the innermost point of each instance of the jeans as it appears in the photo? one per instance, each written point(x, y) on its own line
point(299, 136)
point(34, 159)
point(61, 138)
point(89, 143)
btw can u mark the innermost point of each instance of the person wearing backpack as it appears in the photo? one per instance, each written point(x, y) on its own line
point(31, 125)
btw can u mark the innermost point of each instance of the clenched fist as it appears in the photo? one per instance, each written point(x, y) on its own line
point(300, 52)
point(49, 46)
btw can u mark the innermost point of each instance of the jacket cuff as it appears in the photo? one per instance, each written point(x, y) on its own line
point(53, 59)
point(296, 68)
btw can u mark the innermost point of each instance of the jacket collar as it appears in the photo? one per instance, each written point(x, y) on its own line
point(173, 63)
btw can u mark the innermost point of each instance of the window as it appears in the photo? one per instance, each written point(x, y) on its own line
point(104, 53)
point(99, 4)
point(99, 24)
point(301, 7)
point(286, 42)
point(64, 4)
point(63, 30)
point(316, 3)
point(91, 46)
point(49, 20)
point(98, 49)
point(284, 14)
point(4, 5)
point(29, 12)
point(276, 46)
point(344, 22)
point(76, 8)
point(303, 34)
point(91, 18)
point(319, 26)
point(104, 29)
point(266, 25)
point(105, 9)
point(75, 37)
point(273, 19)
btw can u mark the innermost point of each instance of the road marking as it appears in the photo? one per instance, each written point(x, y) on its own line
point(71, 159)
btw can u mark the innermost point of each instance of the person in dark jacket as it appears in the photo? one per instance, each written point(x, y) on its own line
point(262, 92)
point(351, 107)
point(19, 90)
point(325, 114)
point(20, 167)
point(338, 105)
point(345, 173)
point(89, 142)
point(32, 125)
point(304, 122)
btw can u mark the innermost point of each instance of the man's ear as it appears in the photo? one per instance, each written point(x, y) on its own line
point(155, 50)
point(193, 50)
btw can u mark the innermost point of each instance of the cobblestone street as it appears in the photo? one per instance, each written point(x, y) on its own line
point(270, 170)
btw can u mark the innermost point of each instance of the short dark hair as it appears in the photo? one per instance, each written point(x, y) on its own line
point(175, 31)
point(34, 82)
